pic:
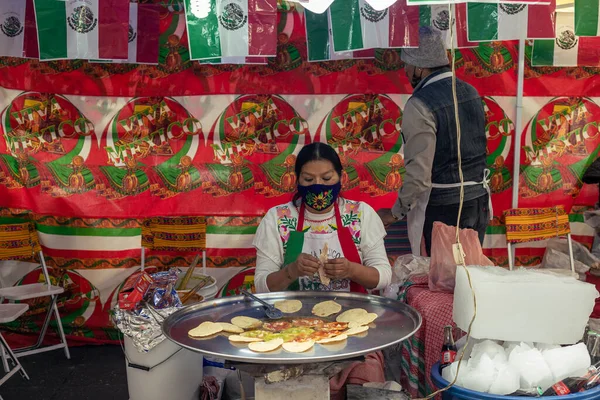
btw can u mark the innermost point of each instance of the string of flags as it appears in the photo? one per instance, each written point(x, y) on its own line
point(246, 31)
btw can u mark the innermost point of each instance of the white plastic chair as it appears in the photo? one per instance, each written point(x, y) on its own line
point(9, 313)
point(21, 242)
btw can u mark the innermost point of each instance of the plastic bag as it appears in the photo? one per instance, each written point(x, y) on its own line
point(557, 256)
point(409, 265)
point(442, 274)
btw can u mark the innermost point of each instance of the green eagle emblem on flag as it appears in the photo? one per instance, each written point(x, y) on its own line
point(566, 40)
point(232, 18)
point(512, 9)
point(12, 26)
point(442, 20)
point(372, 15)
point(131, 35)
point(82, 20)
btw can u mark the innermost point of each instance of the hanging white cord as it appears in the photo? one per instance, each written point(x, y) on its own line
point(460, 205)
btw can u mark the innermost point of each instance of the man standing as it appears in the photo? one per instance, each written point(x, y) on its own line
point(431, 189)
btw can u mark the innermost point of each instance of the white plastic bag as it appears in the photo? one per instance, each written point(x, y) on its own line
point(557, 256)
point(409, 265)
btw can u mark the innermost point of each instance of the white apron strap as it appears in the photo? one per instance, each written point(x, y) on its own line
point(485, 183)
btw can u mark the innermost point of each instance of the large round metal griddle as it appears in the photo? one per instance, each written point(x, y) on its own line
point(396, 322)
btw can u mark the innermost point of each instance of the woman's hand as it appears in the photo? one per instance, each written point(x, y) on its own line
point(305, 265)
point(339, 268)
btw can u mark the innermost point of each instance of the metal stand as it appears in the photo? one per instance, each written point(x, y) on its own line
point(17, 365)
point(36, 348)
point(297, 381)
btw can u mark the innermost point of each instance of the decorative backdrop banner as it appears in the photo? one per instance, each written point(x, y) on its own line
point(90, 150)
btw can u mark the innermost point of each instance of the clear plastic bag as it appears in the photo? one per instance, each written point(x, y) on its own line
point(442, 274)
point(557, 257)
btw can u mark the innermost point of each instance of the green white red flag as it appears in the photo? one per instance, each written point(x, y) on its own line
point(438, 17)
point(143, 35)
point(12, 27)
point(82, 29)
point(319, 40)
point(567, 49)
point(502, 21)
point(231, 29)
point(355, 25)
point(587, 18)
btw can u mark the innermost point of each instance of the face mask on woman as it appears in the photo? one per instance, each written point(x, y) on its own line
point(320, 197)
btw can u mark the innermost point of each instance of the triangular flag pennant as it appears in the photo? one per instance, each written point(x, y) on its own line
point(504, 21)
point(567, 49)
point(231, 28)
point(12, 27)
point(82, 29)
point(438, 17)
point(587, 18)
point(356, 25)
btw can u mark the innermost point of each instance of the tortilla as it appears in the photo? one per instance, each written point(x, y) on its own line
point(298, 347)
point(205, 329)
point(246, 322)
point(265, 347)
point(356, 331)
point(354, 314)
point(326, 308)
point(323, 258)
point(243, 339)
point(288, 306)
point(364, 320)
point(334, 339)
point(230, 328)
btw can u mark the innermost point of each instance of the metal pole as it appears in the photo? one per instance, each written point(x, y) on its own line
point(518, 124)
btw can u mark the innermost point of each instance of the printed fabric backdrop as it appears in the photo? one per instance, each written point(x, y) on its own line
point(89, 150)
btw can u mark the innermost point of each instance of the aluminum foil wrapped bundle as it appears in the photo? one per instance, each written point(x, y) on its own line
point(162, 293)
point(143, 326)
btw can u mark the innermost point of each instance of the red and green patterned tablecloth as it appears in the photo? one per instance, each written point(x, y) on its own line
point(423, 349)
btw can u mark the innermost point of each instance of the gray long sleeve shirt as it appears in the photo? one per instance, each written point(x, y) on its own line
point(419, 132)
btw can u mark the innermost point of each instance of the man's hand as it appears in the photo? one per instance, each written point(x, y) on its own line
point(339, 268)
point(386, 216)
point(305, 265)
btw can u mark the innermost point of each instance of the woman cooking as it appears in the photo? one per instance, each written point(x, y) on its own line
point(291, 237)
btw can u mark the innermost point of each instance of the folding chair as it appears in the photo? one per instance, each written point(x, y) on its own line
point(9, 313)
point(536, 224)
point(19, 241)
point(174, 234)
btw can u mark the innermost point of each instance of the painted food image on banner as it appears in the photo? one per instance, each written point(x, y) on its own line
point(254, 143)
point(150, 144)
point(79, 303)
point(365, 131)
point(47, 141)
point(559, 144)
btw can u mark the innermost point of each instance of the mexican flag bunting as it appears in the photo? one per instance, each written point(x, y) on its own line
point(567, 49)
point(587, 18)
point(236, 60)
point(30, 45)
point(319, 40)
point(82, 29)
point(144, 32)
point(355, 25)
point(502, 21)
point(438, 17)
point(12, 27)
point(231, 28)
